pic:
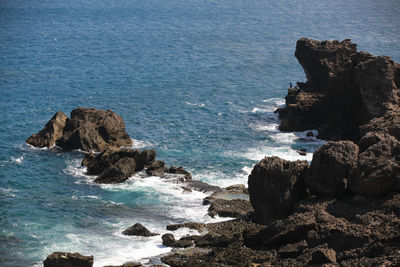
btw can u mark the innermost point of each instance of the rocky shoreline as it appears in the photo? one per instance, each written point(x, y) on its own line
point(343, 209)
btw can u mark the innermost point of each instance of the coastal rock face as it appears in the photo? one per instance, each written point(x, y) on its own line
point(330, 166)
point(378, 166)
point(52, 131)
point(66, 259)
point(88, 129)
point(344, 90)
point(117, 165)
point(274, 186)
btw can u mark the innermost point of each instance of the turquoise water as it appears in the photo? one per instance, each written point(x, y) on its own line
point(196, 80)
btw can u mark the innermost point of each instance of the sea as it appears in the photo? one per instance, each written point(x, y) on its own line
point(197, 80)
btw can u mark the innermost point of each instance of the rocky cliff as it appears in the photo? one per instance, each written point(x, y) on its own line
point(344, 89)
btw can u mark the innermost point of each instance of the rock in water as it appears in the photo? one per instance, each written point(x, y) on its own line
point(330, 166)
point(66, 259)
point(274, 186)
point(91, 129)
point(117, 165)
point(52, 131)
point(88, 129)
point(138, 230)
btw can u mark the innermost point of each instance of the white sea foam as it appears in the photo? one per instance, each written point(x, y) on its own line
point(17, 160)
point(202, 105)
point(116, 248)
point(272, 127)
point(137, 144)
point(8, 192)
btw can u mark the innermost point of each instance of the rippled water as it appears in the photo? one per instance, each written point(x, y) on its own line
point(196, 80)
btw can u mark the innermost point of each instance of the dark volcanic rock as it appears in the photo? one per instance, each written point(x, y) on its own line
point(230, 208)
point(274, 186)
point(323, 256)
point(378, 167)
point(344, 89)
point(179, 170)
point(88, 129)
point(138, 230)
point(117, 165)
point(66, 259)
point(157, 168)
point(170, 241)
point(330, 166)
point(51, 132)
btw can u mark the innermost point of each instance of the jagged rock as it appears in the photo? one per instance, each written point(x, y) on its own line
point(274, 186)
point(179, 170)
point(117, 165)
point(389, 123)
point(321, 256)
point(51, 132)
point(88, 129)
point(344, 89)
point(170, 241)
point(330, 166)
point(229, 208)
point(378, 82)
point(378, 167)
point(290, 230)
point(202, 186)
point(66, 259)
point(157, 168)
point(138, 230)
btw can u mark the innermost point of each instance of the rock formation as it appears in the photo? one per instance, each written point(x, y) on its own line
point(66, 259)
point(274, 186)
point(344, 90)
point(138, 230)
point(88, 129)
point(344, 208)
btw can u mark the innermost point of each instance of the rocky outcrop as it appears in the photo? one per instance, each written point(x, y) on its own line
point(274, 186)
point(330, 167)
point(52, 131)
point(117, 165)
point(66, 259)
point(88, 129)
point(138, 230)
point(344, 90)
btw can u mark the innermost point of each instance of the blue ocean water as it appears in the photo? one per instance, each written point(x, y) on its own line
point(196, 80)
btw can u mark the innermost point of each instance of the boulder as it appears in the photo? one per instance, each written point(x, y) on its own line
point(229, 208)
point(52, 131)
point(330, 166)
point(190, 225)
point(66, 259)
point(157, 168)
point(138, 230)
point(275, 185)
point(170, 241)
point(378, 167)
point(88, 129)
point(117, 165)
point(179, 170)
point(323, 255)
